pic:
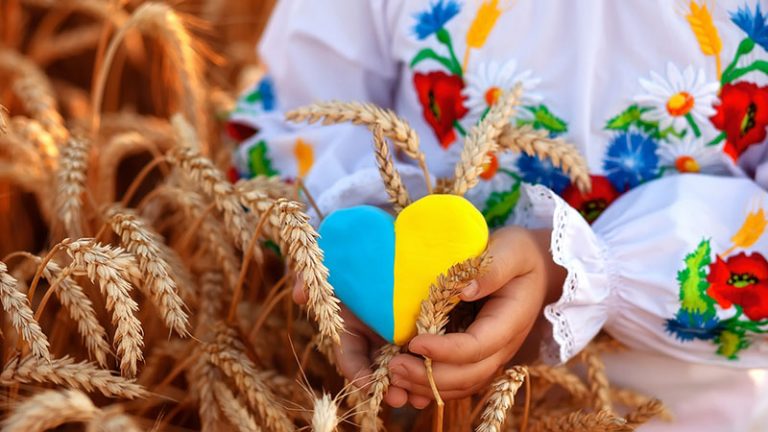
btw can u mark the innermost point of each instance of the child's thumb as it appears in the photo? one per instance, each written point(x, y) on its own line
point(506, 264)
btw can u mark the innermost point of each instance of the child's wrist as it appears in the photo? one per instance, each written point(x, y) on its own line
point(554, 274)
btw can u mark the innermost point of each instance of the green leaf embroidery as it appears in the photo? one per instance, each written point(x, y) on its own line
point(253, 97)
point(729, 343)
point(500, 205)
point(693, 282)
point(632, 116)
point(259, 162)
point(429, 53)
point(544, 119)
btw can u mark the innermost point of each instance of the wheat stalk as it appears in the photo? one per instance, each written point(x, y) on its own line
point(64, 371)
point(562, 377)
point(392, 126)
point(482, 140)
point(502, 399)
point(259, 201)
point(80, 308)
point(398, 194)
point(299, 244)
point(111, 268)
point(66, 44)
point(112, 154)
point(160, 20)
point(3, 120)
point(324, 414)
point(70, 185)
point(233, 409)
point(228, 354)
point(16, 305)
point(537, 143)
point(140, 240)
point(443, 294)
point(601, 421)
point(49, 409)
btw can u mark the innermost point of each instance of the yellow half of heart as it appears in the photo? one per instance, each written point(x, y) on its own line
point(431, 235)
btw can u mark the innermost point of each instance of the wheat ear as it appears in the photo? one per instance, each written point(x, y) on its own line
point(35, 92)
point(203, 174)
point(483, 140)
point(537, 143)
point(80, 308)
point(504, 390)
point(393, 127)
point(228, 354)
point(597, 380)
point(139, 239)
point(299, 245)
point(112, 419)
point(443, 294)
point(64, 371)
point(16, 305)
point(563, 378)
point(50, 409)
point(233, 409)
point(398, 194)
point(645, 412)
point(378, 387)
point(324, 414)
point(70, 185)
point(110, 269)
point(601, 421)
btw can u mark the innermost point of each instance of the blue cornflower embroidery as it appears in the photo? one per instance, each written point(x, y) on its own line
point(537, 171)
point(755, 25)
point(688, 326)
point(267, 92)
point(631, 159)
point(432, 20)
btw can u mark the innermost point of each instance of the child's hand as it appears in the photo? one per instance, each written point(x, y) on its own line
point(520, 279)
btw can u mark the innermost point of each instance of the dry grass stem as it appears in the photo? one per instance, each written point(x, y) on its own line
point(16, 305)
point(537, 143)
point(156, 275)
point(50, 409)
point(66, 372)
point(111, 268)
point(502, 399)
point(482, 140)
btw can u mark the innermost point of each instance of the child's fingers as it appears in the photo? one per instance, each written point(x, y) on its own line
point(299, 293)
point(509, 258)
point(504, 319)
point(396, 397)
point(419, 402)
point(353, 360)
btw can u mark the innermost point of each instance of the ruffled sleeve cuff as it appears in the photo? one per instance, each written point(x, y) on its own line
point(583, 308)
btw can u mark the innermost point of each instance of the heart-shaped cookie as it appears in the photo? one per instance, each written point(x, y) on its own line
point(382, 270)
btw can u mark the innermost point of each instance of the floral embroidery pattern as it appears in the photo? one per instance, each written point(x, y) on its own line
point(735, 284)
point(455, 97)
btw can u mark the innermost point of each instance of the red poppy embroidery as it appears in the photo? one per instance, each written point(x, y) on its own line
point(741, 280)
point(743, 115)
point(594, 203)
point(440, 96)
point(239, 131)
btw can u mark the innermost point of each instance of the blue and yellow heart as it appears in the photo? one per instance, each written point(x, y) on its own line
point(381, 268)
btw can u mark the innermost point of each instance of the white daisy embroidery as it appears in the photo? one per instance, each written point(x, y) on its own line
point(683, 99)
point(689, 155)
point(487, 81)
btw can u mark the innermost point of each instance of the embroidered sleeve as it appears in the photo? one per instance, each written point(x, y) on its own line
point(315, 51)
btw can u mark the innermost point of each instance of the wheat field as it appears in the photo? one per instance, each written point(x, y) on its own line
point(142, 290)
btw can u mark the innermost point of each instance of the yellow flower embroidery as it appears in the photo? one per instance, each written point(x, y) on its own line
point(305, 156)
point(485, 19)
point(706, 33)
point(752, 229)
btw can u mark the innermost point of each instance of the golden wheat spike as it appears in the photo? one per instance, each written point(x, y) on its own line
point(700, 20)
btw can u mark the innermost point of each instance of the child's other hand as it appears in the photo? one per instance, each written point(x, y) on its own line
point(357, 350)
point(521, 277)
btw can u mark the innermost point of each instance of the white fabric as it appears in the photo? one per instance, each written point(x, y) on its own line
point(586, 62)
